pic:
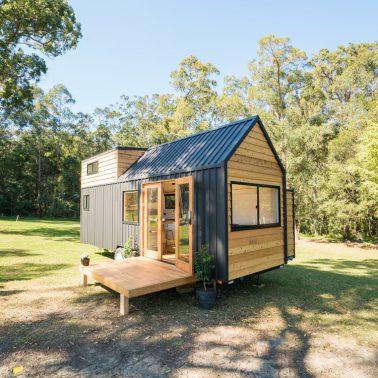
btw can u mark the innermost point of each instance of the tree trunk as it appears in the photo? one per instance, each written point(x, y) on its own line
point(39, 181)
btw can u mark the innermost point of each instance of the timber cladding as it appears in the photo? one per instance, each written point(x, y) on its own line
point(254, 250)
point(111, 165)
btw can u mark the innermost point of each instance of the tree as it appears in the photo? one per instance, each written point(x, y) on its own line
point(194, 82)
point(341, 101)
point(321, 115)
point(277, 73)
point(29, 27)
point(141, 121)
point(346, 79)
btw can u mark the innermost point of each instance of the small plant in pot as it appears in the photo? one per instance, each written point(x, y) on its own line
point(206, 290)
point(128, 250)
point(84, 258)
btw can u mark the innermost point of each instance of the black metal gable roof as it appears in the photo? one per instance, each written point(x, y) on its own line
point(209, 148)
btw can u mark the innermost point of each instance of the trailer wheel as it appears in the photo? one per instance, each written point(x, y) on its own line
point(118, 254)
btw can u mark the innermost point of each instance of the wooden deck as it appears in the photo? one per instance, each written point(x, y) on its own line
point(136, 276)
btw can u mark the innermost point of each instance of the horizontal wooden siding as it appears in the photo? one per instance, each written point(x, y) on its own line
point(111, 165)
point(251, 251)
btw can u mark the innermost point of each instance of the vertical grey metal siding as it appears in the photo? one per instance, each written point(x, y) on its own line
point(102, 224)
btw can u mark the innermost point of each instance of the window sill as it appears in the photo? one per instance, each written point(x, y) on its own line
point(131, 223)
point(254, 227)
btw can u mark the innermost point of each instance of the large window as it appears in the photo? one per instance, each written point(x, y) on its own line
point(86, 202)
point(130, 206)
point(92, 168)
point(254, 206)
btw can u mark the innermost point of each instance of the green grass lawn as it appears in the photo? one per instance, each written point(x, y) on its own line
point(332, 287)
point(44, 251)
point(318, 314)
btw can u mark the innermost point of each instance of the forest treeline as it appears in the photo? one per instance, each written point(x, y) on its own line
point(320, 111)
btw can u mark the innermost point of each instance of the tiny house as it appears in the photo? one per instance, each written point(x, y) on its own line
point(223, 187)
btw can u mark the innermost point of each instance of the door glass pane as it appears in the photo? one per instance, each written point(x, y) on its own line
point(152, 218)
point(183, 223)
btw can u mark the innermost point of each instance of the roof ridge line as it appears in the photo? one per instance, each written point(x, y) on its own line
point(206, 131)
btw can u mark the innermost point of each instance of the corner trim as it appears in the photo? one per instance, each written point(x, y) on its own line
point(292, 190)
point(226, 215)
point(284, 214)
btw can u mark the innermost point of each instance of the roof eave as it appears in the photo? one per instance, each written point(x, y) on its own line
point(178, 171)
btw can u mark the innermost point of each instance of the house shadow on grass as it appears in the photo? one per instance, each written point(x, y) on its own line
point(363, 267)
point(97, 297)
point(6, 293)
point(165, 332)
point(58, 234)
point(106, 253)
point(27, 271)
point(16, 252)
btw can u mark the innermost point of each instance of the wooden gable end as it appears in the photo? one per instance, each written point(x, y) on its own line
point(255, 250)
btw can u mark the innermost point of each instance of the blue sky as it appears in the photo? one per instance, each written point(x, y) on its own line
point(130, 47)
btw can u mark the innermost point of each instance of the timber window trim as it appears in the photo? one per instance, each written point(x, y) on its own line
point(124, 210)
point(92, 168)
point(236, 227)
point(86, 202)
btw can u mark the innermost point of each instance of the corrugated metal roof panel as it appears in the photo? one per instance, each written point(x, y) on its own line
point(208, 148)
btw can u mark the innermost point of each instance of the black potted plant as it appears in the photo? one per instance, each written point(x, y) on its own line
point(85, 259)
point(206, 291)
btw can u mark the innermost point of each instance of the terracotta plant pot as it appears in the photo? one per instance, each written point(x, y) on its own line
point(85, 262)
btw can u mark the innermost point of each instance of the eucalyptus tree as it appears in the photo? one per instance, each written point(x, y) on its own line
point(346, 79)
point(195, 84)
point(30, 29)
point(277, 73)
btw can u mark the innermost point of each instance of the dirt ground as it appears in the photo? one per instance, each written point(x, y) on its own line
point(295, 326)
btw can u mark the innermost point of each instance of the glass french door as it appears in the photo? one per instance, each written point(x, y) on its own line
point(184, 223)
point(152, 231)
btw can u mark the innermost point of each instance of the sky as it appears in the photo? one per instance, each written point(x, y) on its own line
point(131, 47)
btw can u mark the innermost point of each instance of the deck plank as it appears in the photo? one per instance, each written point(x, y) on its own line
point(137, 276)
